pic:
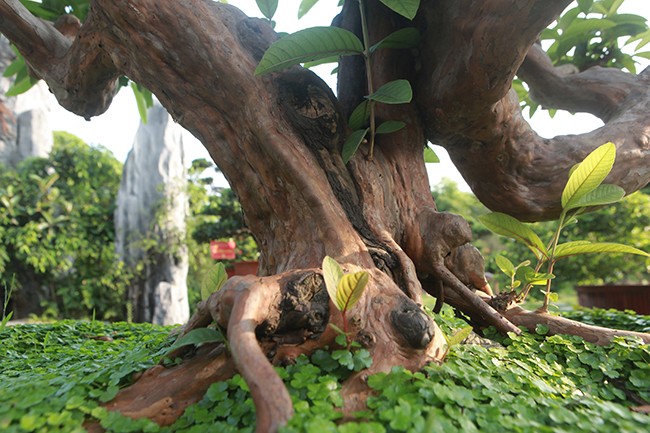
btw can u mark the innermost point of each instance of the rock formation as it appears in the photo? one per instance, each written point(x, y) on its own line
point(152, 206)
point(24, 119)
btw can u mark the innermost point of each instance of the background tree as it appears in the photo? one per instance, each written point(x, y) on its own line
point(57, 236)
point(278, 139)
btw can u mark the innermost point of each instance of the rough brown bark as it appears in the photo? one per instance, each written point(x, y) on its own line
point(278, 140)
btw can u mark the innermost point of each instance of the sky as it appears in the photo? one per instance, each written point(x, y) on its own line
point(116, 128)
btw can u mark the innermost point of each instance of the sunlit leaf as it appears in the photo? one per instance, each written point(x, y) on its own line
point(602, 195)
point(143, 99)
point(393, 92)
point(583, 247)
point(308, 45)
point(400, 39)
point(590, 173)
point(459, 336)
point(350, 289)
point(505, 225)
point(505, 265)
point(213, 280)
point(529, 276)
point(390, 126)
point(332, 274)
point(406, 8)
point(430, 156)
point(352, 144)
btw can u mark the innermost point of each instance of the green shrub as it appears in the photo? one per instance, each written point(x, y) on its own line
point(57, 233)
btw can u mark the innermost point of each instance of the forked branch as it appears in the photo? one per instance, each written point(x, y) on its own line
point(81, 74)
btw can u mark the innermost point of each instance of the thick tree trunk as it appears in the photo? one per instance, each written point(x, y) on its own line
point(278, 140)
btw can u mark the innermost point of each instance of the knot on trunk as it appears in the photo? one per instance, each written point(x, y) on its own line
point(413, 324)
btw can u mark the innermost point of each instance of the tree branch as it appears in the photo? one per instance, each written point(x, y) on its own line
point(478, 119)
point(599, 91)
point(81, 74)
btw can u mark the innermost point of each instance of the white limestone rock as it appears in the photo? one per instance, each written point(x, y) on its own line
point(152, 204)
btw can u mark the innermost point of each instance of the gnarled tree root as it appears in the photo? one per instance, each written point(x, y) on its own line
point(561, 325)
point(162, 394)
point(271, 320)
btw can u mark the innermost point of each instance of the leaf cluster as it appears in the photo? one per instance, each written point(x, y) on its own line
point(318, 45)
point(592, 33)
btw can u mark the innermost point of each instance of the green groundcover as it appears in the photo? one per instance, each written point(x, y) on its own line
point(55, 376)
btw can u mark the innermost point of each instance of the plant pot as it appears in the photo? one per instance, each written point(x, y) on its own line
point(620, 297)
point(243, 268)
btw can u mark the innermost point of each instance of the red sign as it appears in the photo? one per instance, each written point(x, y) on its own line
point(222, 250)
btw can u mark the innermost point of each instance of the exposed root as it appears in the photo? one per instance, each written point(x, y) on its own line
point(251, 307)
point(445, 247)
point(560, 325)
point(162, 394)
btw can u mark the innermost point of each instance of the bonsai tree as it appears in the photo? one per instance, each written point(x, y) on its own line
point(279, 138)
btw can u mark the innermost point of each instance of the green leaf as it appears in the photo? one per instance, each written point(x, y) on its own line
point(6, 319)
point(581, 29)
point(590, 173)
point(406, 8)
point(459, 336)
point(14, 67)
point(267, 7)
point(529, 276)
point(505, 225)
point(352, 144)
point(505, 265)
point(360, 115)
point(333, 59)
point(602, 195)
point(141, 100)
point(400, 39)
point(308, 45)
point(390, 126)
point(305, 6)
point(198, 336)
point(350, 289)
point(213, 280)
point(430, 156)
point(21, 86)
point(332, 274)
point(38, 10)
point(583, 247)
point(585, 5)
point(393, 92)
